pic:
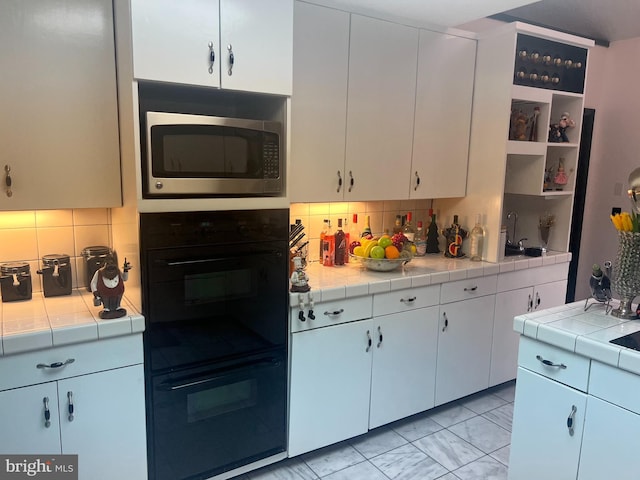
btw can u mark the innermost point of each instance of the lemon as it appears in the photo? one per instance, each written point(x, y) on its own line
point(370, 245)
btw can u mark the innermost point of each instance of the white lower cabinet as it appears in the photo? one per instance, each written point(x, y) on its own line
point(403, 371)
point(464, 348)
point(543, 445)
point(330, 384)
point(107, 428)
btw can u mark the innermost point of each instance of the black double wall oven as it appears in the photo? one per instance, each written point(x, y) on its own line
point(215, 300)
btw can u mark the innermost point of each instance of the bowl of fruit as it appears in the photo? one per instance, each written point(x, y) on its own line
point(382, 254)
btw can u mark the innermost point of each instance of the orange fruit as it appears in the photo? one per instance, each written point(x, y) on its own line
point(391, 252)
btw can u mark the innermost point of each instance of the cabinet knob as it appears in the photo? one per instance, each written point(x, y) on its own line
point(351, 180)
point(446, 321)
point(339, 182)
point(368, 341)
point(231, 59)
point(417, 182)
point(379, 337)
point(212, 57)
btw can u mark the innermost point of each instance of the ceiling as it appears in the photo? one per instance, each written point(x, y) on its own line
point(601, 20)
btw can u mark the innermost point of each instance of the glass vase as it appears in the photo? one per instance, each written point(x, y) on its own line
point(626, 273)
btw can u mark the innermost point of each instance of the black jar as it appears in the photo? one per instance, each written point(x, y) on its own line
point(56, 275)
point(94, 259)
point(15, 281)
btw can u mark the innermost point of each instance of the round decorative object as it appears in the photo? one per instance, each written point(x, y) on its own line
point(381, 264)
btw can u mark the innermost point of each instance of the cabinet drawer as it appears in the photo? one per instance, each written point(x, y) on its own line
point(567, 367)
point(21, 369)
point(403, 300)
point(615, 386)
point(332, 313)
point(532, 276)
point(470, 288)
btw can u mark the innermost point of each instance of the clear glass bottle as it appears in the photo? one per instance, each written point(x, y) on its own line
point(409, 230)
point(420, 240)
point(397, 228)
point(340, 245)
point(325, 229)
point(328, 247)
point(476, 240)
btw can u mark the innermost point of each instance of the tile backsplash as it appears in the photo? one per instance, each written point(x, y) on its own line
point(382, 213)
point(27, 236)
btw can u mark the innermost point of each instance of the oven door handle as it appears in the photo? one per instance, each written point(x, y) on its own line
point(196, 261)
point(172, 386)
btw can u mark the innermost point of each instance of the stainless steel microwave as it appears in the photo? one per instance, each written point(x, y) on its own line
point(206, 156)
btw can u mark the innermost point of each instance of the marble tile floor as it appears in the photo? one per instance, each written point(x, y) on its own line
point(467, 439)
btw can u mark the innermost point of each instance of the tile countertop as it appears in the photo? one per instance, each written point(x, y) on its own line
point(584, 332)
point(353, 280)
point(49, 322)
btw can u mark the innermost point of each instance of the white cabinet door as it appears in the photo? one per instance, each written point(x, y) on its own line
point(318, 104)
point(381, 100)
point(23, 420)
point(444, 93)
point(259, 36)
point(542, 445)
point(504, 349)
point(609, 443)
point(330, 384)
point(108, 427)
point(59, 122)
point(549, 295)
point(464, 348)
point(404, 364)
point(171, 41)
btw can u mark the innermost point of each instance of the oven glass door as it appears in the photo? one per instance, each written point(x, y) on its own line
point(216, 418)
point(212, 302)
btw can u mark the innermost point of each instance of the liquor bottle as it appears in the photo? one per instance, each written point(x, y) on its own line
point(325, 229)
point(408, 229)
point(366, 231)
point(454, 236)
point(432, 235)
point(420, 240)
point(340, 245)
point(328, 247)
point(476, 240)
point(397, 228)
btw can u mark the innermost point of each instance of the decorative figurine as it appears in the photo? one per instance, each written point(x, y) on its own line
point(533, 132)
point(518, 125)
point(107, 286)
point(558, 131)
point(454, 236)
point(299, 278)
point(561, 177)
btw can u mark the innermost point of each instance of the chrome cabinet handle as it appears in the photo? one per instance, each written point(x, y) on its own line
point(232, 59)
point(368, 341)
point(379, 336)
point(56, 364)
point(408, 300)
point(7, 180)
point(530, 304)
point(537, 301)
point(212, 57)
point(571, 419)
point(471, 289)
point(549, 363)
point(417, 182)
point(446, 321)
point(47, 412)
point(70, 405)
point(335, 313)
point(351, 180)
point(339, 182)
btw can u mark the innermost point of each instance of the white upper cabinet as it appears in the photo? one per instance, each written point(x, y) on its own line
point(59, 121)
point(318, 103)
point(444, 93)
point(232, 44)
point(176, 41)
point(380, 109)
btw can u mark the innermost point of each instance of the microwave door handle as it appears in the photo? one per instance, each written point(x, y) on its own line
point(196, 261)
point(173, 386)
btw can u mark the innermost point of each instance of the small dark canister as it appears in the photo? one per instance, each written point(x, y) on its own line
point(94, 259)
point(15, 281)
point(56, 275)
